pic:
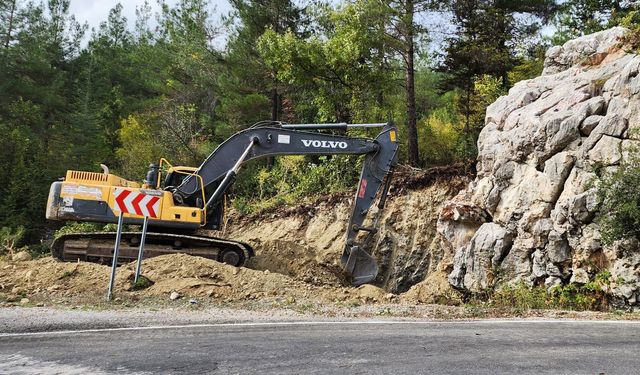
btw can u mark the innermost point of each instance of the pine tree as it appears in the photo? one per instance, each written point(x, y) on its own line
point(247, 72)
point(487, 33)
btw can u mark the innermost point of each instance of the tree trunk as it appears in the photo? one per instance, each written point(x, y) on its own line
point(468, 137)
point(7, 39)
point(412, 131)
point(275, 110)
point(274, 103)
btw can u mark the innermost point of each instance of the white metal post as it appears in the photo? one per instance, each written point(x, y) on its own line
point(116, 251)
point(141, 250)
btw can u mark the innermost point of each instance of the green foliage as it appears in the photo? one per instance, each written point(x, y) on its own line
point(581, 17)
point(139, 146)
point(486, 89)
point(567, 297)
point(292, 180)
point(84, 227)
point(632, 21)
point(618, 193)
point(442, 134)
point(527, 68)
point(10, 238)
point(142, 283)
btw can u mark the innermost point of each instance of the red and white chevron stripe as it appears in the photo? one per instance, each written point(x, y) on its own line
point(136, 203)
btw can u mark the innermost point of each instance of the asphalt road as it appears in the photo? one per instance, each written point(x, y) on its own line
point(364, 347)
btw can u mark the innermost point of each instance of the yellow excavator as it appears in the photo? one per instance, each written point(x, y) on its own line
point(185, 200)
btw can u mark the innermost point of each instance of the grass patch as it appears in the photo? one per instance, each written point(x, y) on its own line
point(142, 283)
point(521, 297)
point(68, 274)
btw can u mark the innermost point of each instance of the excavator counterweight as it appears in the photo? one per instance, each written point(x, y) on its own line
point(189, 199)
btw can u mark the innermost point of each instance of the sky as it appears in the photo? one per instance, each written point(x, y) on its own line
point(95, 11)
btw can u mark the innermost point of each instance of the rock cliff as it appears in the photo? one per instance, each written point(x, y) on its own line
point(529, 214)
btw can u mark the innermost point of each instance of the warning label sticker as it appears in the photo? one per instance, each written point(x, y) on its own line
point(283, 138)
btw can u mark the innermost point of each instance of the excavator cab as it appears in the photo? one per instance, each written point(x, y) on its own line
point(174, 177)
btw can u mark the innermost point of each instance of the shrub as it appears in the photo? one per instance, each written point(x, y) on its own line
point(10, 238)
point(619, 196)
point(293, 179)
point(86, 227)
point(590, 296)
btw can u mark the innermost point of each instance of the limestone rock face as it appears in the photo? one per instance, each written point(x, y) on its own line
point(528, 215)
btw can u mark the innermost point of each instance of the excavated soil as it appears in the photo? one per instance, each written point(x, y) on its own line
point(190, 277)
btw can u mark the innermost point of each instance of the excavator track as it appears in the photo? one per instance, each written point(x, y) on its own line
point(98, 247)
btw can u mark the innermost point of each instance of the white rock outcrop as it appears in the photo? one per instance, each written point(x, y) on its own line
point(528, 215)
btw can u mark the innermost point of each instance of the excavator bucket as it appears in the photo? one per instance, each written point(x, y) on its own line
point(360, 265)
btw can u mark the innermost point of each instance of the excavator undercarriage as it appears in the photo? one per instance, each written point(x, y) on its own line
point(98, 247)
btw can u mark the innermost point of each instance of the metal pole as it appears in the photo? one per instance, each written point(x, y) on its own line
point(116, 251)
point(141, 250)
point(339, 125)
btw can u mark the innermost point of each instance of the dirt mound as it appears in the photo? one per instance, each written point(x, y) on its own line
point(188, 276)
point(434, 289)
point(297, 261)
point(47, 276)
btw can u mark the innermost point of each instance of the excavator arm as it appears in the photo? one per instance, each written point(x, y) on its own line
point(220, 168)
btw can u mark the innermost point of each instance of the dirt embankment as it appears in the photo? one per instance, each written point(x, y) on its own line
point(305, 242)
point(297, 257)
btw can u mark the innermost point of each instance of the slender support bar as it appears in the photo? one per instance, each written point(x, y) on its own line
point(339, 125)
point(116, 251)
point(141, 249)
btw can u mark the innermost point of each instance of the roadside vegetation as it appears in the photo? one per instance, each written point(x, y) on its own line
point(619, 195)
point(522, 297)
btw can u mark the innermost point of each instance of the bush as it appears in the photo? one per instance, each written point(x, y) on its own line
point(619, 196)
point(632, 22)
point(293, 179)
point(590, 296)
point(440, 137)
point(86, 227)
point(11, 238)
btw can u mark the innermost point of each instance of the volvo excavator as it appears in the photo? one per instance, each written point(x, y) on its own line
point(186, 200)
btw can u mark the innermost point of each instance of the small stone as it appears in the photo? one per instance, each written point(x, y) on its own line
point(580, 276)
point(53, 287)
point(552, 281)
point(193, 302)
point(290, 300)
point(40, 304)
point(390, 296)
point(174, 296)
point(24, 301)
point(29, 274)
point(589, 124)
point(266, 272)
point(22, 256)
